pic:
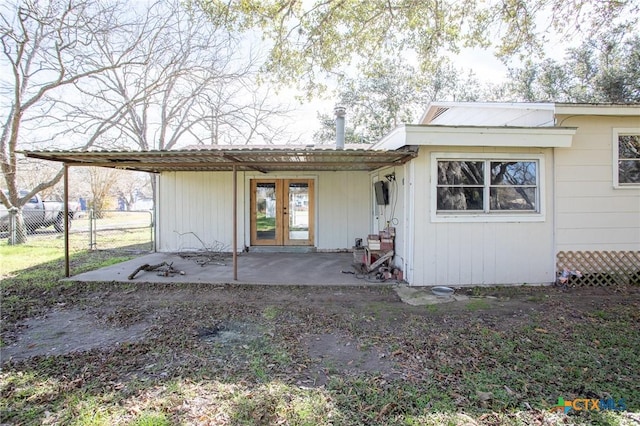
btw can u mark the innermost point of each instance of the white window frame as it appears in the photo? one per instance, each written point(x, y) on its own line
point(495, 216)
point(616, 156)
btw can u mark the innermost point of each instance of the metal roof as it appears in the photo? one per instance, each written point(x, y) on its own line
point(244, 158)
point(489, 114)
point(517, 113)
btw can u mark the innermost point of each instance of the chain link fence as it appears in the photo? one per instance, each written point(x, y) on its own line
point(127, 231)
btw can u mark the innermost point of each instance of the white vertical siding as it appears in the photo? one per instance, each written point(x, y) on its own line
point(202, 203)
point(196, 206)
point(591, 213)
point(479, 253)
point(344, 209)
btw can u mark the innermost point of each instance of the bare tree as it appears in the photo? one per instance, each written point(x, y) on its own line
point(102, 182)
point(130, 186)
point(230, 119)
point(88, 73)
point(33, 172)
point(197, 86)
point(49, 47)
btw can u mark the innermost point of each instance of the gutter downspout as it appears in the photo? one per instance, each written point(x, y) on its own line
point(340, 113)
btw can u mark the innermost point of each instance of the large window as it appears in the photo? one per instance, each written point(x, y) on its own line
point(627, 157)
point(487, 186)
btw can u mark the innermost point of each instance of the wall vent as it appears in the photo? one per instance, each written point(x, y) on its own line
point(439, 112)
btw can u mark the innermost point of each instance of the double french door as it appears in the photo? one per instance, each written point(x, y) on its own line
point(282, 212)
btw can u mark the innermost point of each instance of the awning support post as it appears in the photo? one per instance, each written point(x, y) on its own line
point(67, 272)
point(235, 223)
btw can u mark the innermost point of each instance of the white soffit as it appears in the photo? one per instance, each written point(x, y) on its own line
point(537, 137)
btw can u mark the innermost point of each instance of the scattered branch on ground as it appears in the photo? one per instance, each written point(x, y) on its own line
point(164, 269)
point(215, 253)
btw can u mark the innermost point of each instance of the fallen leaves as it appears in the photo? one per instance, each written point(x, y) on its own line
point(489, 363)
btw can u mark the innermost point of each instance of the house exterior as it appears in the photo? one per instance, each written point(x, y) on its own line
point(478, 193)
point(549, 192)
point(299, 205)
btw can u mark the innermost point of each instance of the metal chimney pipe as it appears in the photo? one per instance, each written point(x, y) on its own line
point(340, 113)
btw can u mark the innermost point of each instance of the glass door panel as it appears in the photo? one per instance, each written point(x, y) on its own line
point(298, 214)
point(298, 211)
point(265, 206)
point(266, 211)
point(282, 212)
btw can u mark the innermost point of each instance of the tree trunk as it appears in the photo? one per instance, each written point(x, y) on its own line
point(17, 229)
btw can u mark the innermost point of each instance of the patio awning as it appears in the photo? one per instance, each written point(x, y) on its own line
point(263, 159)
point(232, 159)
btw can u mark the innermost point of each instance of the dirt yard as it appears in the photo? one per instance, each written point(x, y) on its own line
point(106, 318)
point(103, 319)
point(501, 351)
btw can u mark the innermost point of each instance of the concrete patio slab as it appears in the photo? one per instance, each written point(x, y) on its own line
point(323, 269)
point(253, 268)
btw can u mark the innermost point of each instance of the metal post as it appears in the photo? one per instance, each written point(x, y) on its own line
point(235, 223)
point(91, 218)
point(67, 272)
point(340, 112)
point(94, 230)
point(154, 212)
point(151, 225)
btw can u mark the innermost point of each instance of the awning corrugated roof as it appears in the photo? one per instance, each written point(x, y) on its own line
point(242, 158)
